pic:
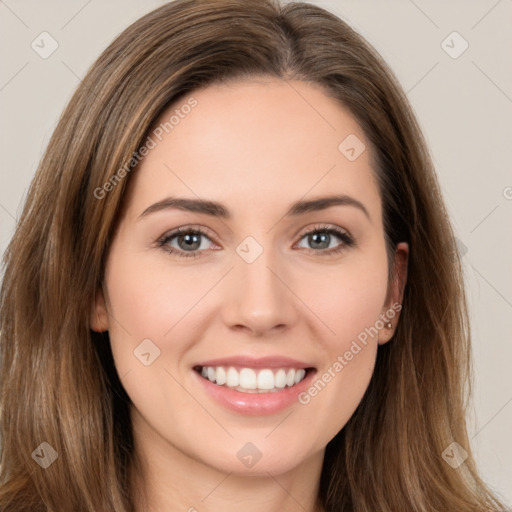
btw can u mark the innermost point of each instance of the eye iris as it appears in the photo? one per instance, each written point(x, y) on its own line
point(191, 239)
point(319, 238)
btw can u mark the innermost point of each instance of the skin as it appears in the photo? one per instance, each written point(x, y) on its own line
point(256, 146)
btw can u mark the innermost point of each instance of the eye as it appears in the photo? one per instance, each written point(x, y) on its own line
point(188, 241)
point(320, 238)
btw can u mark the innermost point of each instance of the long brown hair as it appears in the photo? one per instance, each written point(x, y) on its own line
point(58, 382)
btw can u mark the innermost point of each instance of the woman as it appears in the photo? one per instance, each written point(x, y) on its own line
point(173, 336)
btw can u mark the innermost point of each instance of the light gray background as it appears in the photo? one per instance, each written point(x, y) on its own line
point(464, 106)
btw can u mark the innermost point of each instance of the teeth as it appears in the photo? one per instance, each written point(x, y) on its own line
point(248, 378)
point(299, 375)
point(280, 379)
point(232, 378)
point(220, 375)
point(266, 380)
point(253, 381)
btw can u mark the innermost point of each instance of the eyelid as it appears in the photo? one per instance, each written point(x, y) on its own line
point(187, 229)
point(320, 227)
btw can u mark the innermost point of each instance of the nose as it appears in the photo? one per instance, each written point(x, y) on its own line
point(259, 299)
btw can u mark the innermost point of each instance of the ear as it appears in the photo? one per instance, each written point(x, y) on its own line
point(99, 317)
point(391, 311)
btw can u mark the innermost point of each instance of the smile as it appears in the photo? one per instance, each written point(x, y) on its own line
point(251, 385)
point(253, 380)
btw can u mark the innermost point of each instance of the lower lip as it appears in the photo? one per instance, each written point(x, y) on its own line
point(256, 404)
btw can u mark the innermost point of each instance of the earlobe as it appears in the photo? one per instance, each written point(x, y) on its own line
point(99, 317)
point(386, 333)
point(391, 313)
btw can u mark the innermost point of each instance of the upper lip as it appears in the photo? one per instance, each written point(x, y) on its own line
point(256, 362)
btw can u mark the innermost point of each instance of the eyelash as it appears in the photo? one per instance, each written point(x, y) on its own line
point(348, 240)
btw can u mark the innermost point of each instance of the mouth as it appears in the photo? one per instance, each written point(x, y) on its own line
point(254, 380)
point(255, 386)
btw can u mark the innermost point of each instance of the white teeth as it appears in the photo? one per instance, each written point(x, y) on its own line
point(221, 375)
point(299, 375)
point(280, 379)
point(265, 379)
point(248, 378)
point(232, 378)
point(253, 381)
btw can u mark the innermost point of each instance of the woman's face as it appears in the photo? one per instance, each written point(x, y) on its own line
point(282, 283)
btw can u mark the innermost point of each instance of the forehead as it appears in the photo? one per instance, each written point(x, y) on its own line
point(263, 142)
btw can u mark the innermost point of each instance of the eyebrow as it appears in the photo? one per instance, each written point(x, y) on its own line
point(215, 209)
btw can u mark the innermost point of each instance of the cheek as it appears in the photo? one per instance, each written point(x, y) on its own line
point(351, 309)
point(146, 298)
point(145, 304)
point(150, 299)
point(348, 298)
